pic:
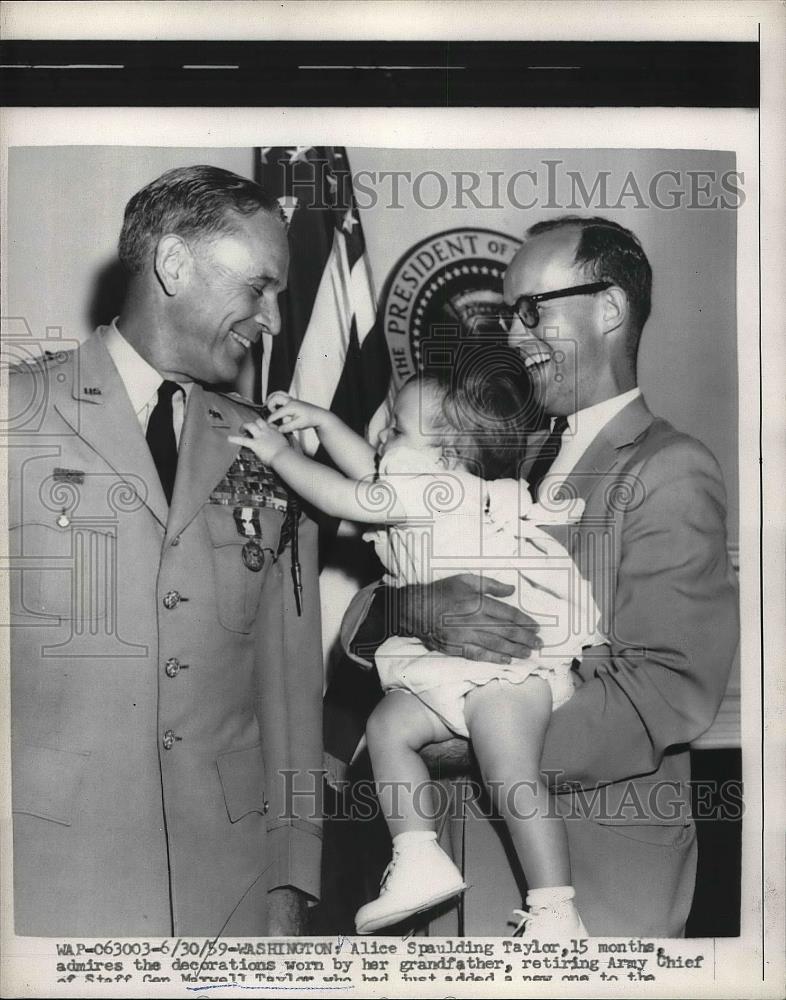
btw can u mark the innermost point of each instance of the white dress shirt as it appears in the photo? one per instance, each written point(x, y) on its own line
point(142, 381)
point(583, 427)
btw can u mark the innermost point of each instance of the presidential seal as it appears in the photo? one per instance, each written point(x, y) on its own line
point(447, 286)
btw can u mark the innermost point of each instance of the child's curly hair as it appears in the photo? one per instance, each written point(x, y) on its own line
point(487, 406)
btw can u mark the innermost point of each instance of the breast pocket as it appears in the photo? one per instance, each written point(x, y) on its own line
point(242, 561)
point(60, 572)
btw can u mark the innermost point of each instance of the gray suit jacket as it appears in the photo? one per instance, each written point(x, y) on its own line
point(653, 542)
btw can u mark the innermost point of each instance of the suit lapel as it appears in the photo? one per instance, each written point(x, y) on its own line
point(204, 454)
point(101, 414)
point(608, 450)
point(593, 543)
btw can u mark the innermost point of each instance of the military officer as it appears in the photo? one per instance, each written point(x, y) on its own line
point(166, 681)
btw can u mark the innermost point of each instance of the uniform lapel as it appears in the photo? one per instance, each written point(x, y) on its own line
point(205, 454)
point(100, 412)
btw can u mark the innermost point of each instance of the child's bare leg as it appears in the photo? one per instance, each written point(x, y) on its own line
point(398, 728)
point(507, 724)
point(420, 874)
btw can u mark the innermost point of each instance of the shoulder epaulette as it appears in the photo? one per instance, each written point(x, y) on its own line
point(237, 397)
point(39, 361)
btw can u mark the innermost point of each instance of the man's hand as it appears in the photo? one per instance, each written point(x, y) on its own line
point(460, 616)
point(287, 912)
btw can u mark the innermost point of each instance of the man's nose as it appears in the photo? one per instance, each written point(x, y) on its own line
point(519, 334)
point(269, 315)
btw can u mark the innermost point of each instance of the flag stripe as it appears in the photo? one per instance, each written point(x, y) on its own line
point(330, 350)
point(364, 298)
point(322, 353)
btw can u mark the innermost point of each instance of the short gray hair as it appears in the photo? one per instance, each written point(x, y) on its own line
point(194, 202)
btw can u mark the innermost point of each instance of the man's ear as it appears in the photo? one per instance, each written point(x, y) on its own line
point(615, 308)
point(172, 263)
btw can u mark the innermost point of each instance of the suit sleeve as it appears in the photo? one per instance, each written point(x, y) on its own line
point(365, 625)
point(290, 682)
point(660, 680)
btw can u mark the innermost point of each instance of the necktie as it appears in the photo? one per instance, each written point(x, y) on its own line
point(547, 455)
point(161, 437)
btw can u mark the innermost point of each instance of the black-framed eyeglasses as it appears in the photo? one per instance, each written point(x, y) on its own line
point(526, 306)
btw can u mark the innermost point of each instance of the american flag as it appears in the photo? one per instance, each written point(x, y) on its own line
point(330, 350)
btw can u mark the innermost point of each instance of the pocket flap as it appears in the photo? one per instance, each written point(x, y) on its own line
point(221, 525)
point(265, 525)
point(45, 781)
point(60, 572)
point(242, 775)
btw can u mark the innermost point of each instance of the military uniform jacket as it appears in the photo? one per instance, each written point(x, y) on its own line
point(166, 695)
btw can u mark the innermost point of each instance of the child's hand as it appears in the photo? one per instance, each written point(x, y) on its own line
point(265, 441)
point(289, 414)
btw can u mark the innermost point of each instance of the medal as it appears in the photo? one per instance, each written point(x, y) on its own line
point(253, 555)
point(248, 526)
point(247, 522)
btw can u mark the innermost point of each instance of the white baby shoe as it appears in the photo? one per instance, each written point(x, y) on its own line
point(549, 918)
point(420, 875)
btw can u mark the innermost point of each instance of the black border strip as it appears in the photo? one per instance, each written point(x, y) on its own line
point(377, 74)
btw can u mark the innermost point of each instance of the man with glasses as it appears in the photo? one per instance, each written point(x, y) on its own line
point(652, 541)
point(166, 682)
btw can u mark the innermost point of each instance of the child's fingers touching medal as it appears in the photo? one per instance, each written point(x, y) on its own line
point(277, 399)
point(263, 439)
point(289, 414)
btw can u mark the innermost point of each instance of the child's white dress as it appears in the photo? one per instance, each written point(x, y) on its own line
point(453, 522)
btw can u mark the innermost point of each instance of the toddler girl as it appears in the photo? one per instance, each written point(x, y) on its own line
point(448, 494)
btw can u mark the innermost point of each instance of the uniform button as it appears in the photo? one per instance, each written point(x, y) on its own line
point(176, 540)
point(265, 806)
point(169, 739)
point(171, 600)
point(172, 666)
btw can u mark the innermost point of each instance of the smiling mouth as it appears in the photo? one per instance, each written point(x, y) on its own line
point(244, 342)
point(536, 360)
